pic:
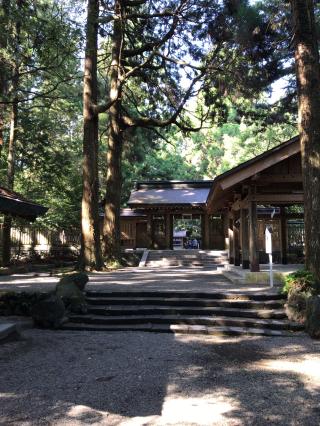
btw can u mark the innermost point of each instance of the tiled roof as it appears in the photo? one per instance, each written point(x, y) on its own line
point(15, 204)
point(170, 192)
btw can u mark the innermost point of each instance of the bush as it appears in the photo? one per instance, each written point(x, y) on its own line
point(301, 281)
point(299, 287)
point(12, 303)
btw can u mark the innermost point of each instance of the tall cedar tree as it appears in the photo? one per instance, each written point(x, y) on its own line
point(34, 63)
point(141, 35)
point(16, 29)
point(308, 84)
point(90, 228)
point(161, 55)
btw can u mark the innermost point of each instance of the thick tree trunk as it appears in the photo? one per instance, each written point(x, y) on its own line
point(90, 257)
point(308, 82)
point(7, 224)
point(1, 130)
point(111, 226)
point(6, 236)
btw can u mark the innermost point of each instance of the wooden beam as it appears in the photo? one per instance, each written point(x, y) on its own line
point(259, 165)
point(264, 179)
point(278, 198)
point(240, 204)
point(244, 237)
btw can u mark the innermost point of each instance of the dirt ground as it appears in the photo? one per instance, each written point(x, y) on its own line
point(99, 378)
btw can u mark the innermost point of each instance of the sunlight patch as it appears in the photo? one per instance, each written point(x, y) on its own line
point(308, 369)
point(203, 410)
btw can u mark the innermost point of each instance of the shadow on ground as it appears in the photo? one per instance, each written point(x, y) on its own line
point(82, 378)
point(186, 279)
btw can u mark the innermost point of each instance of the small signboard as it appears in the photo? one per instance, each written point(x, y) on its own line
point(268, 235)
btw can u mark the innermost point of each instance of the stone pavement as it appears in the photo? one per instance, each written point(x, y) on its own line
point(170, 278)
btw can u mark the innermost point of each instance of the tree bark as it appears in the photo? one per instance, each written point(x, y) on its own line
point(111, 226)
point(7, 223)
point(91, 257)
point(308, 84)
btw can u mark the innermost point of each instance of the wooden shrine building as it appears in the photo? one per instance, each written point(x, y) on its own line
point(155, 205)
point(234, 209)
point(266, 190)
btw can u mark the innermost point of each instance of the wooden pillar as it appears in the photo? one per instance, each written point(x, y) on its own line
point(205, 231)
point(244, 236)
point(225, 231)
point(149, 231)
point(169, 231)
point(236, 243)
point(283, 236)
point(230, 236)
point(253, 240)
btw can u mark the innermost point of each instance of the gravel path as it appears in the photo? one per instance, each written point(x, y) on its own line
point(80, 378)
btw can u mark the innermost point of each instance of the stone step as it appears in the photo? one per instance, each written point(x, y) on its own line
point(179, 329)
point(8, 330)
point(125, 310)
point(186, 320)
point(185, 263)
point(190, 258)
point(186, 295)
point(180, 301)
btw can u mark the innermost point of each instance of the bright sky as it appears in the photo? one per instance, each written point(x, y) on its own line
point(278, 90)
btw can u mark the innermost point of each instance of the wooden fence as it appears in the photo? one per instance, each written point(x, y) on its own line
point(27, 240)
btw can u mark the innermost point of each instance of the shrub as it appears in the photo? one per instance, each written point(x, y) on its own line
point(299, 287)
point(301, 281)
point(13, 303)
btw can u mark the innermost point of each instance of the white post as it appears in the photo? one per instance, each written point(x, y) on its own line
point(268, 235)
point(271, 271)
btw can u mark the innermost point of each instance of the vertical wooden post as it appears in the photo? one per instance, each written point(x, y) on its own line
point(205, 231)
point(225, 231)
point(244, 235)
point(283, 236)
point(236, 243)
point(230, 235)
point(149, 231)
point(168, 231)
point(253, 243)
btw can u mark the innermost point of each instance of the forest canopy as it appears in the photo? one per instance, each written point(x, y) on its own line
point(49, 128)
point(97, 94)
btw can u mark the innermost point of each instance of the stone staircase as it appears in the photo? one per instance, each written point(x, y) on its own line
point(186, 258)
point(185, 312)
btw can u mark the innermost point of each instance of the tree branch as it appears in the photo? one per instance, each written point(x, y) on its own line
point(150, 121)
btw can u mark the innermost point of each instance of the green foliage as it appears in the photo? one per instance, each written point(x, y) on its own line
point(301, 281)
point(48, 137)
